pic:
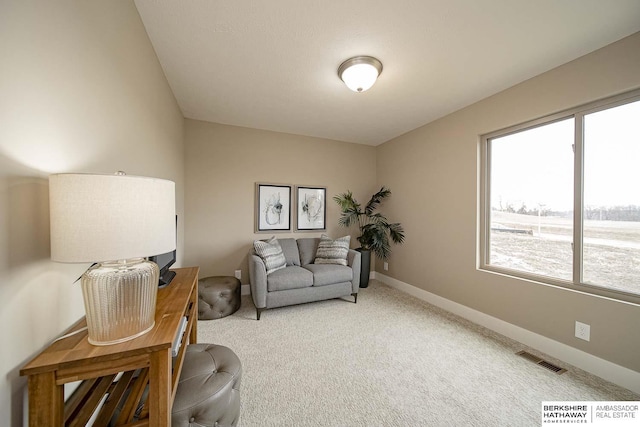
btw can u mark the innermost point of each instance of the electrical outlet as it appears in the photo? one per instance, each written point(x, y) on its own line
point(583, 331)
point(386, 266)
point(239, 274)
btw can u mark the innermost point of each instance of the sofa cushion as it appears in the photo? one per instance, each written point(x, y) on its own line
point(290, 251)
point(332, 251)
point(271, 254)
point(328, 274)
point(293, 277)
point(307, 246)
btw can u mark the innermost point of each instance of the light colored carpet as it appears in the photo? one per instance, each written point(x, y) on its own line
point(389, 360)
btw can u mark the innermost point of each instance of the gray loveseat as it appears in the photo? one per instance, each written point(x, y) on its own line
point(302, 280)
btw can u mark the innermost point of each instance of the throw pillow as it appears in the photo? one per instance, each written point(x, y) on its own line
point(271, 254)
point(332, 251)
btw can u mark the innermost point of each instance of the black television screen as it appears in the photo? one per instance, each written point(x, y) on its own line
point(165, 261)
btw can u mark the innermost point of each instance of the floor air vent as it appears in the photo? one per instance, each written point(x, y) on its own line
point(535, 359)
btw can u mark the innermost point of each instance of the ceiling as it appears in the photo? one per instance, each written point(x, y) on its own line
point(273, 64)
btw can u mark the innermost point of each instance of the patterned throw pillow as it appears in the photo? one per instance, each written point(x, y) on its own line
point(271, 254)
point(332, 251)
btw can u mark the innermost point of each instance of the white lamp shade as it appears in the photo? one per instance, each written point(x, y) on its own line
point(98, 218)
point(360, 73)
point(360, 77)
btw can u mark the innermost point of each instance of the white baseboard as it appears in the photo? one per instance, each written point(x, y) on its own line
point(609, 371)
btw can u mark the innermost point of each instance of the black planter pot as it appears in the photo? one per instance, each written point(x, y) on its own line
point(365, 266)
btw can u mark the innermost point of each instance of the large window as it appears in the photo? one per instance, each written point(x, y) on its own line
point(561, 199)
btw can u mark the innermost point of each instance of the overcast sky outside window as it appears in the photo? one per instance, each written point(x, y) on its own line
point(612, 157)
point(535, 167)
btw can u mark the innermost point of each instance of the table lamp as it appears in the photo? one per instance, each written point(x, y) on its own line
point(114, 221)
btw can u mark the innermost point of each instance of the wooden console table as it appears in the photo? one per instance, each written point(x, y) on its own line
point(119, 372)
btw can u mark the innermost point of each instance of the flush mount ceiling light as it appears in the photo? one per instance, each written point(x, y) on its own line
point(360, 73)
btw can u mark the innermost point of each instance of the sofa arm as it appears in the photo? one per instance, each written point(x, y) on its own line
point(354, 261)
point(258, 280)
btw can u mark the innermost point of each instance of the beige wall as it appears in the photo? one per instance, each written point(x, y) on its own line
point(81, 91)
point(434, 173)
point(223, 163)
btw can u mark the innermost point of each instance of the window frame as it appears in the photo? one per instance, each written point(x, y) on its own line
point(484, 205)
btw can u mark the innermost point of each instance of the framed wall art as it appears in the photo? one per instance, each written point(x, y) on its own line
point(311, 209)
point(273, 207)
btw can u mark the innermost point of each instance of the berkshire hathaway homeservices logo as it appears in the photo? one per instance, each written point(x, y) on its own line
point(614, 414)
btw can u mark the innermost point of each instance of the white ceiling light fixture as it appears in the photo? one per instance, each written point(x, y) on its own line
point(360, 73)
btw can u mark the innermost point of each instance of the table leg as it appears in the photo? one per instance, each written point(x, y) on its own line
point(160, 388)
point(193, 335)
point(46, 400)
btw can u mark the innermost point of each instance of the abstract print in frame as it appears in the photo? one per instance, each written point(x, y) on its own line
point(311, 208)
point(273, 207)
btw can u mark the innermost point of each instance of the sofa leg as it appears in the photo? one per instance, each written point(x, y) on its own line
point(355, 297)
point(258, 311)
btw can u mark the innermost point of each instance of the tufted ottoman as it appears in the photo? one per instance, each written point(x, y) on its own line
point(218, 296)
point(209, 388)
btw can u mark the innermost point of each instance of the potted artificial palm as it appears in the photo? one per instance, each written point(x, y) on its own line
point(375, 229)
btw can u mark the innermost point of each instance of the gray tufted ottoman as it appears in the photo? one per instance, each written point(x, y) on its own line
point(209, 388)
point(218, 296)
